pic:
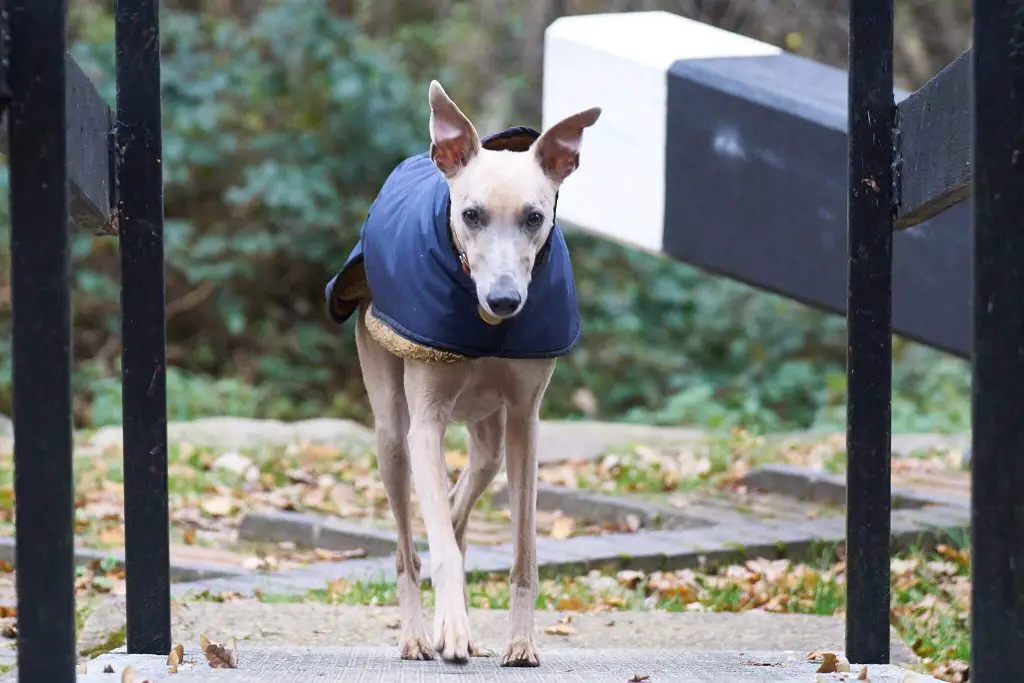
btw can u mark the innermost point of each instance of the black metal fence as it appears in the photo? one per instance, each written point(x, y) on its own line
point(70, 163)
point(941, 145)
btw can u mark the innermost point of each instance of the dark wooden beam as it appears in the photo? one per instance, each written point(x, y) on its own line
point(756, 164)
point(933, 145)
point(90, 161)
point(89, 144)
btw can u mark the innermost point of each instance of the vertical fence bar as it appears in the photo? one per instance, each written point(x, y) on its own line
point(141, 219)
point(41, 303)
point(997, 469)
point(869, 330)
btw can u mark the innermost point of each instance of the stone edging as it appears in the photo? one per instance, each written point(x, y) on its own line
point(180, 571)
point(646, 550)
point(814, 485)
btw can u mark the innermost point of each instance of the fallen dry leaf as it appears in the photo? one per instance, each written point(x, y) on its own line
point(863, 675)
point(754, 662)
point(218, 506)
point(108, 669)
point(481, 652)
point(112, 536)
point(629, 578)
point(560, 630)
point(639, 678)
point(829, 663)
point(176, 655)
point(396, 624)
point(336, 588)
point(457, 460)
point(218, 656)
point(562, 528)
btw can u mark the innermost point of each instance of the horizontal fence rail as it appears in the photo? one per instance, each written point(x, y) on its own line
point(869, 331)
point(91, 166)
point(41, 342)
point(732, 156)
point(933, 145)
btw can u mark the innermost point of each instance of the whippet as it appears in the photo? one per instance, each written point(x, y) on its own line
point(465, 298)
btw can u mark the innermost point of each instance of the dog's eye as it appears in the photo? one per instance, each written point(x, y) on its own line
point(534, 219)
point(471, 216)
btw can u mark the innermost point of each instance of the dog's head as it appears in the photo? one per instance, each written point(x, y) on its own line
point(502, 202)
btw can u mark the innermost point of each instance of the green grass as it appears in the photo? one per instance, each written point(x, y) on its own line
point(113, 641)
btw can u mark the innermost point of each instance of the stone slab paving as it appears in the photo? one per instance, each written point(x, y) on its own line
point(256, 625)
point(260, 624)
point(601, 508)
point(377, 536)
point(559, 440)
point(316, 531)
point(805, 483)
point(187, 563)
point(266, 665)
point(646, 550)
point(702, 530)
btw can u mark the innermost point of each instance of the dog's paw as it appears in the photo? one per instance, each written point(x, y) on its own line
point(452, 637)
point(415, 644)
point(521, 652)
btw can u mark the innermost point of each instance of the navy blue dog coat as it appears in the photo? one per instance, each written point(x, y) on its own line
point(407, 262)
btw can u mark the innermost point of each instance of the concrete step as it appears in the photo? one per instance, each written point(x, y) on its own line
point(266, 665)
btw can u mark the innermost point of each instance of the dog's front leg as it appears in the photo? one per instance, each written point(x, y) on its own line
point(522, 427)
point(431, 390)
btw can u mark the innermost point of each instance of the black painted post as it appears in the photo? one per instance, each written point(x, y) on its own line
point(40, 283)
point(997, 471)
point(869, 330)
point(141, 219)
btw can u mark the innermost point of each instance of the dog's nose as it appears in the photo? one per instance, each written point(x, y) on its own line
point(504, 302)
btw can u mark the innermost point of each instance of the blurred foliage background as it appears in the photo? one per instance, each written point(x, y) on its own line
point(282, 118)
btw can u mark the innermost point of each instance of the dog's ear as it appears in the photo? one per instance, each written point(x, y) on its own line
point(453, 139)
point(558, 149)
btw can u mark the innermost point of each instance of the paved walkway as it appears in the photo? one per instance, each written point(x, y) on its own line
point(253, 623)
point(317, 642)
point(290, 665)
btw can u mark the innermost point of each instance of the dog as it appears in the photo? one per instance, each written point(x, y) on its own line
point(465, 300)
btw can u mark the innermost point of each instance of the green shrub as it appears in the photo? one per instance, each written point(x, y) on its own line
point(279, 130)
